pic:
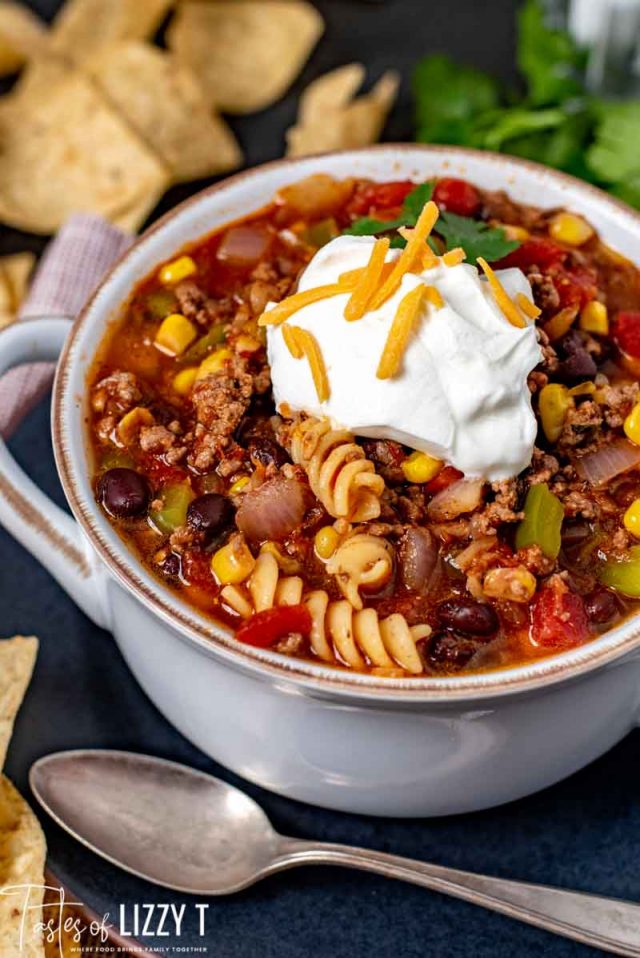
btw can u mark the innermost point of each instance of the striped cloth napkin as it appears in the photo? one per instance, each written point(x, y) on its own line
point(68, 273)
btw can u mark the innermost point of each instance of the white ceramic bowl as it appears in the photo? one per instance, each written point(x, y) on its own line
point(353, 742)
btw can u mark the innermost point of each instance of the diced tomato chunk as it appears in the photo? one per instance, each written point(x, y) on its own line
point(576, 286)
point(196, 568)
point(456, 196)
point(558, 617)
point(446, 477)
point(159, 471)
point(536, 251)
point(626, 332)
point(377, 197)
point(265, 628)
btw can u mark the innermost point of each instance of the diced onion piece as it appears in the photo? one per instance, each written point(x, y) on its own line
point(316, 196)
point(244, 245)
point(462, 497)
point(608, 461)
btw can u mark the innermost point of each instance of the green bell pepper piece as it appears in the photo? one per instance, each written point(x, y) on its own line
point(203, 346)
point(542, 523)
point(161, 303)
point(623, 576)
point(175, 502)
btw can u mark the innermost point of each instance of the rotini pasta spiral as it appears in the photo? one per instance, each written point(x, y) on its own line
point(359, 639)
point(361, 560)
point(339, 473)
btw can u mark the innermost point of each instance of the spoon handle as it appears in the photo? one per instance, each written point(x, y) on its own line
point(607, 923)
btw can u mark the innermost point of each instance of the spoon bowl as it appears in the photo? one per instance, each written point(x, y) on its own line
point(191, 832)
point(170, 824)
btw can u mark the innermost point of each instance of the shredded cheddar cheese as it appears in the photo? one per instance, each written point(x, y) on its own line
point(291, 341)
point(454, 257)
point(429, 259)
point(528, 308)
point(292, 304)
point(309, 346)
point(399, 333)
point(508, 307)
point(368, 282)
point(405, 262)
point(433, 296)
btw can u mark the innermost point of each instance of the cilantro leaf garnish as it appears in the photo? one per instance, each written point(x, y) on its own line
point(549, 59)
point(409, 213)
point(475, 237)
point(614, 156)
point(449, 98)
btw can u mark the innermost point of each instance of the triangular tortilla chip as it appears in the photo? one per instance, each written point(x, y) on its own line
point(245, 53)
point(22, 856)
point(85, 27)
point(17, 659)
point(164, 103)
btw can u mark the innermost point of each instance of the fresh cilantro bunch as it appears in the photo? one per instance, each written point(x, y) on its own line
point(475, 237)
point(554, 121)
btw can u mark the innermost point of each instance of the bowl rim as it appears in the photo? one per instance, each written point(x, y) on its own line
point(217, 641)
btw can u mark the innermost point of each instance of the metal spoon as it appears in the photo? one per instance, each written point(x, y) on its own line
point(191, 832)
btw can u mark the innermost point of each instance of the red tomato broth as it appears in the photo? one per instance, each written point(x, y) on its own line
point(228, 289)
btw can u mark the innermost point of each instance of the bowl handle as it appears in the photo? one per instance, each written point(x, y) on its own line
point(45, 530)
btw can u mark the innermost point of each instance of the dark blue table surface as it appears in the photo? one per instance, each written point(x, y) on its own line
point(583, 833)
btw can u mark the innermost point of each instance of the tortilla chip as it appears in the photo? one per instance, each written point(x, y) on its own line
point(22, 36)
point(245, 53)
point(22, 857)
point(15, 271)
point(84, 27)
point(17, 658)
point(138, 212)
point(346, 126)
point(69, 151)
point(331, 91)
point(40, 75)
point(164, 103)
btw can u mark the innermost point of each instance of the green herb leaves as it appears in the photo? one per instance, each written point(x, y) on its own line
point(449, 97)
point(475, 237)
point(549, 60)
point(411, 209)
point(553, 121)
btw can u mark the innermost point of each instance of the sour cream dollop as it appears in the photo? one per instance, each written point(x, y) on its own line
point(461, 393)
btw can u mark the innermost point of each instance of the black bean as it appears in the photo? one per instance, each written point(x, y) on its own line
point(468, 616)
point(446, 651)
point(267, 452)
point(601, 606)
point(575, 532)
point(578, 362)
point(123, 493)
point(171, 565)
point(210, 515)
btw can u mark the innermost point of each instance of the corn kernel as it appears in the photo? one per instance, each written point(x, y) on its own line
point(177, 270)
point(174, 334)
point(184, 380)
point(512, 585)
point(214, 362)
point(517, 233)
point(326, 542)
point(554, 404)
point(233, 563)
point(131, 424)
point(246, 344)
point(419, 467)
point(570, 229)
point(286, 563)
point(632, 425)
point(238, 485)
point(631, 519)
point(594, 318)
